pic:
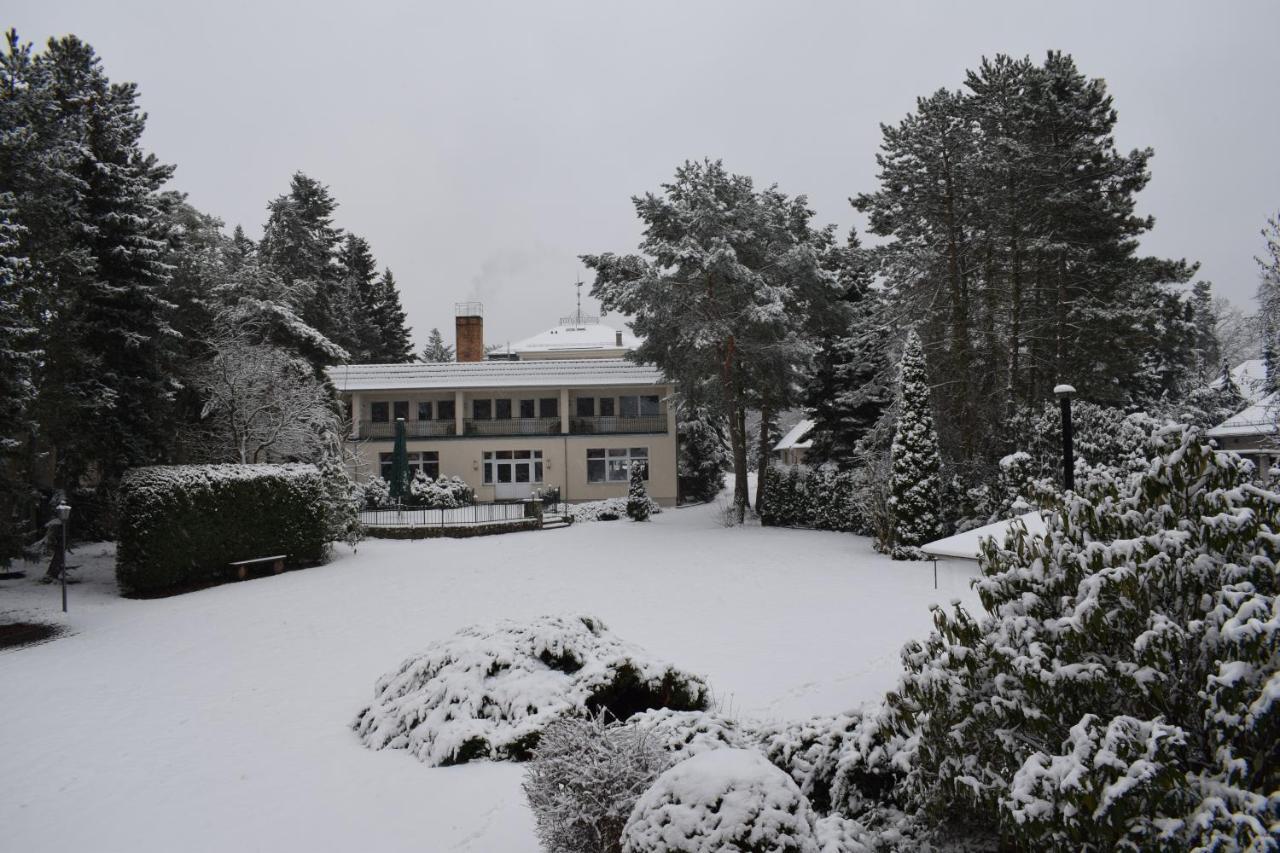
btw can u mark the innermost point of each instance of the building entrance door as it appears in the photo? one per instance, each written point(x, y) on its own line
point(513, 473)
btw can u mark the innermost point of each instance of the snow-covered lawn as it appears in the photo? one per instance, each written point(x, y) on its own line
point(220, 719)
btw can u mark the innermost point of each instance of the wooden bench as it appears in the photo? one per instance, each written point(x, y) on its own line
point(242, 566)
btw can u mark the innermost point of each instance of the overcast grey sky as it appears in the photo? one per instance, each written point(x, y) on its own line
point(481, 147)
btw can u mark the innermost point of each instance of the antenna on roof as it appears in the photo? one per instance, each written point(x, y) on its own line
point(578, 318)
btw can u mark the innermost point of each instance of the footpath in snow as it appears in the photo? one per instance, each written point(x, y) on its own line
point(219, 720)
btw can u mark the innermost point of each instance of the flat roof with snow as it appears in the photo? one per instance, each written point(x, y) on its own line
point(967, 545)
point(550, 373)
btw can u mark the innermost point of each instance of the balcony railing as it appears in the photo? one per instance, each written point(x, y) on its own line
point(412, 429)
point(513, 426)
point(609, 425)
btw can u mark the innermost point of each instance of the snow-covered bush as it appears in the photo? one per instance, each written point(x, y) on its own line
point(722, 801)
point(377, 493)
point(819, 498)
point(584, 779)
point(1102, 437)
point(442, 493)
point(610, 509)
point(344, 500)
point(809, 752)
point(1123, 690)
point(184, 524)
point(638, 502)
point(689, 733)
point(490, 690)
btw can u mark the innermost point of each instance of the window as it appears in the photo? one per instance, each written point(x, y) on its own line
point(606, 407)
point(502, 410)
point(424, 410)
point(549, 407)
point(401, 409)
point(586, 407)
point(445, 410)
point(613, 465)
point(527, 408)
point(379, 413)
point(481, 410)
point(426, 461)
point(512, 466)
point(644, 406)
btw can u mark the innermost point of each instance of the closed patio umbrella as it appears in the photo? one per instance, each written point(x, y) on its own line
point(399, 465)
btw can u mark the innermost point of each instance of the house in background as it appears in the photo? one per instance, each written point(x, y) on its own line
point(565, 411)
point(1251, 432)
point(792, 447)
point(1250, 377)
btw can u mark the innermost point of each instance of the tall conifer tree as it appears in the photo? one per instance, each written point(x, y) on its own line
point(916, 500)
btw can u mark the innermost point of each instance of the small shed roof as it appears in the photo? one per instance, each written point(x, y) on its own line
point(798, 437)
point(967, 545)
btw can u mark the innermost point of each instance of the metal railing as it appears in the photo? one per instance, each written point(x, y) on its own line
point(412, 429)
point(607, 425)
point(463, 516)
point(513, 426)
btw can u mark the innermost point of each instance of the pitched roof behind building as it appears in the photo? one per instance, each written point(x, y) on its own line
point(798, 437)
point(551, 373)
point(586, 336)
point(1258, 419)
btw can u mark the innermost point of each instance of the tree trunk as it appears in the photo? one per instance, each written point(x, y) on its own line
point(762, 460)
point(729, 378)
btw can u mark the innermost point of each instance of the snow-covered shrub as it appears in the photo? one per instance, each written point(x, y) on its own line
point(1102, 437)
point(584, 779)
point(809, 752)
point(638, 503)
point(722, 801)
point(442, 493)
point(344, 500)
point(840, 834)
point(818, 498)
point(610, 509)
point(1123, 689)
point(184, 524)
point(688, 733)
point(490, 690)
point(377, 493)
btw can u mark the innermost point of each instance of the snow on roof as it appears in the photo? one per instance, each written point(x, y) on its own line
point(1258, 419)
point(797, 438)
point(547, 373)
point(967, 545)
point(1250, 377)
point(586, 336)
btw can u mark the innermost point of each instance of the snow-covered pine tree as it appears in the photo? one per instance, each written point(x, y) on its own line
point(1120, 691)
point(1268, 295)
point(18, 354)
point(355, 292)
point(638, 507)
point(917, 467)
point(703, 454)
point(436, 351)
point(388, 320)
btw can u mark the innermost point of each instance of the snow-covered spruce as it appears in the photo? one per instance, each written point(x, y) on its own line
point(916, 499)
point(609, 509)
point(722, 801)
point(490, 690)
point(688, 733)
point(638, 502)
point(584, 779)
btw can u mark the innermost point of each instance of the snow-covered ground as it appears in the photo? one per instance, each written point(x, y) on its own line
point(219, 720)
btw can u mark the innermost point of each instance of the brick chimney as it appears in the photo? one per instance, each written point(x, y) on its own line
point(469, 326)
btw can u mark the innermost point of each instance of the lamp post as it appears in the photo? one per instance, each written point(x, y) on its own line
point(1064, 394)
point(64, 513)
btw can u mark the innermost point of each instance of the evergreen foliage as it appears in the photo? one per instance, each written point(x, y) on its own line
point(916, 500)
point(637, 497)
point(387, 319)
point(1121, 690)
point(437, 351)
point(703, 454)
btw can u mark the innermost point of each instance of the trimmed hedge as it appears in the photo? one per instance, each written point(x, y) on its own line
point(182, 525)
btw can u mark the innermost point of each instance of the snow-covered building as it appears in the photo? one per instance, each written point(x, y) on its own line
point(1250, 377)
point(578, 340)
point(792, 447)
point(570, 417)
point(968, 545)
point(1251, 432)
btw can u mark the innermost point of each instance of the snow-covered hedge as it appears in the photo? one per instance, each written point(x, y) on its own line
point(809, 752)
point(490, 690)
point(721, 801)
point(184, 524)
point(688, 733)
point(440, 493)
point(819, 498)
point(610, 509)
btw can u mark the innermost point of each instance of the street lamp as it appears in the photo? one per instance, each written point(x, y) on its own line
point(1064, 394)
point(64, 513)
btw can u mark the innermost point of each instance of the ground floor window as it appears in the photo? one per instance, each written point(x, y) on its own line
point(512, 466)
point(613, 465)
point(426, 461)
